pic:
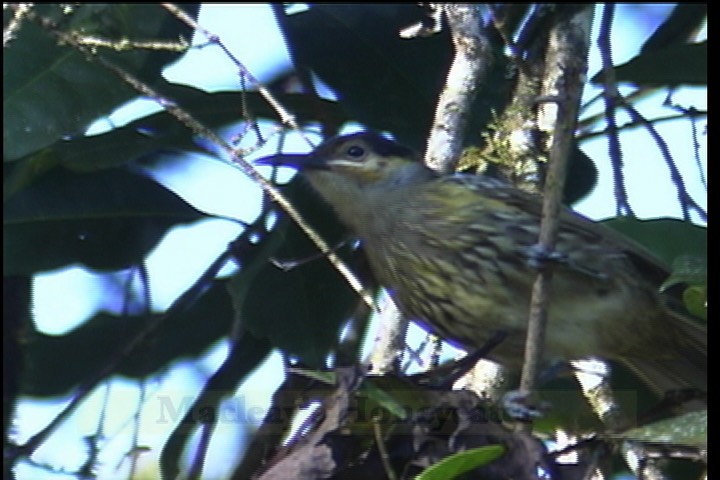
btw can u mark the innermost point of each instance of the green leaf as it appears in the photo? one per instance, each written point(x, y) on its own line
point(667, 238)
point(695, 300)
point(688, 269)
point(687, 429)
point(582, 176)
point(370, 388)
point(684, 64)
point(678, 27)
point(55, 364)
point(677, 243)
point(51, 90)
point(459, 463)
point(384, 398)
point(569, 408)
point(105, 220)
point(691, 271)
point(357, 51)
point(161, 132)
point(382, 80)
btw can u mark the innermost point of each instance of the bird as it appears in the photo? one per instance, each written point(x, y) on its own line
point(454, 251)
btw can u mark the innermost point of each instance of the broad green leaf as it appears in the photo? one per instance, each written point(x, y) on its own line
point(678, 27)
point(161, 132)
point(684, 64)
point(357, 51)
point(384, 81)
point(666, 238)
point(695, 300)
point(688, 269)
point(680, 245)
point(686, 429)
point(370, 388)
point(459, 463)
point(54, 364)
point(105, 220)
point(51, 90)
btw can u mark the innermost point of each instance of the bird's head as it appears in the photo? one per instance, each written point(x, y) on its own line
point(359, 174)
point(364, 160)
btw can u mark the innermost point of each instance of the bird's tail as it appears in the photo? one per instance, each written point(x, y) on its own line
point(683, 365)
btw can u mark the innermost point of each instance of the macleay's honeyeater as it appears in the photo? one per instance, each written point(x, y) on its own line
point(452, 251)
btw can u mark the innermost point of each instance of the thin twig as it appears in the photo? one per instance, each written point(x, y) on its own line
point(610, 95)
point(382, 451)
point(154, 324)
point(287, 119)
point(198, 128)
point(686, 201)
point(693, 114)
point(285, 116)
point(629, 125)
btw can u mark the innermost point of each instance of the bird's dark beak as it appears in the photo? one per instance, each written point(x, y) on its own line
point(301, 161)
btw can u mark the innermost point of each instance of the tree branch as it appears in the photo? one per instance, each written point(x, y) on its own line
point(566, 67)
point(470, 66)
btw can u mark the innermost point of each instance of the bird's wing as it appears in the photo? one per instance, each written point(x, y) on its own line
point(571, 223)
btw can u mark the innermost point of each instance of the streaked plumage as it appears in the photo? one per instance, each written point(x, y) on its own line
point(450, 251)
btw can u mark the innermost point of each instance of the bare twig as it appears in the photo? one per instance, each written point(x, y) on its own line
point(287, 119)
point(285, 116)
point(686, 201)
point(629, 125)
point(125, 44)
point(383, 453)
point(610, 95)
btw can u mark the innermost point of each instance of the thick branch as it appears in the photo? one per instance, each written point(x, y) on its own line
point(469, 68)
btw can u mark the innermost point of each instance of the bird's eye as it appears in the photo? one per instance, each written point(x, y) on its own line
point(355, 151)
